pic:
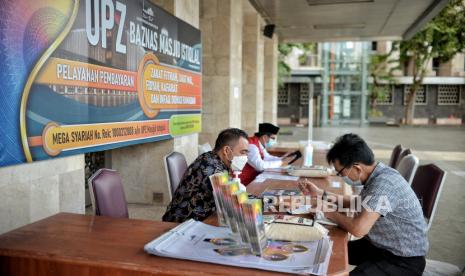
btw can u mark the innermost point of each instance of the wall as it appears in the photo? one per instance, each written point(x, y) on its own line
point(293, 109)
point(34, 191)
point(454, 67)
point(431, 110)
point(394, 111)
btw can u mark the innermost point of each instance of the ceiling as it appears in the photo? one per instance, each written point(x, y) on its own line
point(337, 20)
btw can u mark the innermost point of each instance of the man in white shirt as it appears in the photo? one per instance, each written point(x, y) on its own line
point(258, 157)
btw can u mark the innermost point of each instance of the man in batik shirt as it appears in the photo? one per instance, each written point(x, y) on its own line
point(194, 196)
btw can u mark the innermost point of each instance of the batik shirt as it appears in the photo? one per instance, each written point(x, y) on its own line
point(194, 196)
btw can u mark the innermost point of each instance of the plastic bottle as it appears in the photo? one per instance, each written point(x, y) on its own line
point(308, 155)
point(238, 180)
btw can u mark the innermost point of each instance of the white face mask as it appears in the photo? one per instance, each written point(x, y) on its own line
point(270, 143)
point(350, 181)
point(238, 162)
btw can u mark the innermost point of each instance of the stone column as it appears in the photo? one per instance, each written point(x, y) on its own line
point(252, 69)
point(221, 27)
point(270, 95)
point(141, 166)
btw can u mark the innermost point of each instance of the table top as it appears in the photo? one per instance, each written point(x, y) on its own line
point(103, 241)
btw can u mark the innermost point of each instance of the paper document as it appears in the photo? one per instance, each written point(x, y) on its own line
point(264, 176)
point(320, 218)
point(196, 241)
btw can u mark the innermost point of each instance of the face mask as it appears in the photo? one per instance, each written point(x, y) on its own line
point(270, 143)
point(238, 162)
point(350, 181)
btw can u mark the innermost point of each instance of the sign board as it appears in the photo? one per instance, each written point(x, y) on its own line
point(91, 75)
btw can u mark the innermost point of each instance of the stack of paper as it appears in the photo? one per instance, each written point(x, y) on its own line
point(274, 176)
point(193, 240)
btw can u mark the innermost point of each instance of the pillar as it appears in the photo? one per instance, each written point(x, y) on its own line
point(221, 27)
point(252, 69)
point(270, 93)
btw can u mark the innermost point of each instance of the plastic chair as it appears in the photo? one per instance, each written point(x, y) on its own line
point(402, 155)
point(427, 185)
point(407, 167)
point(175, 167)
point(395, 155)
point(107, 194)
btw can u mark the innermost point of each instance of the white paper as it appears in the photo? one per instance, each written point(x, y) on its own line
point(320, 218)
point(263, 176)
point(188, 241)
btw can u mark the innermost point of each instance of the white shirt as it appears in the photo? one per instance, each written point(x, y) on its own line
point(268, 162)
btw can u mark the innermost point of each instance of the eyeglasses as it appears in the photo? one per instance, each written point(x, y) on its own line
point(339, 173)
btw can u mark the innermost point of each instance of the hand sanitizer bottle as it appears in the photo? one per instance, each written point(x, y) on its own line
point(308, 155)
point(238, 180)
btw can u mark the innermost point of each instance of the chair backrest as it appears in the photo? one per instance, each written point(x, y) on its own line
point(427, 185)
point(107, 194)
point(175, 166)
point(404, 153)
point(395, 155)
point(407, 167)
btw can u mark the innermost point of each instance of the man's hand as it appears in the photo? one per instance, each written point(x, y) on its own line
point(308, 188)
point(359, 226)
point(285, 161)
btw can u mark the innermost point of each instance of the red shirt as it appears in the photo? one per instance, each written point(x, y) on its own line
point(249, 173)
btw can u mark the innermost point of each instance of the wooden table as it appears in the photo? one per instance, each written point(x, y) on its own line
point(71, 244)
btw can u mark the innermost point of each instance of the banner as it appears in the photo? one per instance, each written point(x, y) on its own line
point(89, 75)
